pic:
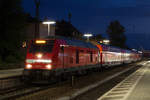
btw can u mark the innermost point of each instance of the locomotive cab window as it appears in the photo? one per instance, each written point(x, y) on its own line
point(41, 47)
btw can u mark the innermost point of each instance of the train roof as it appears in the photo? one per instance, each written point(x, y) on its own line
point(114, 48)
point(75, 42)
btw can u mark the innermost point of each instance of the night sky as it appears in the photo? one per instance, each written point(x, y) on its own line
point(95, 15)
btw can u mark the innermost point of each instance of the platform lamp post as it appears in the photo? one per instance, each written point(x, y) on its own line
point(37, 27)
point(49, 23)
point(88, 35)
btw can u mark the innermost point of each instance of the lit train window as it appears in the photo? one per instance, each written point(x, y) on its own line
point(47, 47)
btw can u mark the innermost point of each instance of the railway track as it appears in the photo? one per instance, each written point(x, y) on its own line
point(101, 89)
point(21, 90)
point(10, 82)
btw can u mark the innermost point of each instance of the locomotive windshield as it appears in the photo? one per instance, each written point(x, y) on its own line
point(41, 47)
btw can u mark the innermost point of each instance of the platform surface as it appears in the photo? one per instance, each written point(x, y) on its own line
point(10, 72)
point(134, 87)
point(142, 89)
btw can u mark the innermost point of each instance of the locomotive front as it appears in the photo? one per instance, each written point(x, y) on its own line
point(38, 65)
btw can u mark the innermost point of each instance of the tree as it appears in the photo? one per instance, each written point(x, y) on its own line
point(12, 25)
point(66, 29)
point(116, 34)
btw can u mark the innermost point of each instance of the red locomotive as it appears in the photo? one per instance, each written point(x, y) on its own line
point(49, 59)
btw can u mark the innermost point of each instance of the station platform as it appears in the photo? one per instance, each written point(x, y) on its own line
point(134, 87)
point(142, 89)
point(11, 72)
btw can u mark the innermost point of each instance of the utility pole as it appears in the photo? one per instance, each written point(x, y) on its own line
point(37, 29)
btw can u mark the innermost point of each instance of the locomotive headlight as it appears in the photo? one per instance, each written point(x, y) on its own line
point(39, 55)
point(49, 66)
point(28, 66)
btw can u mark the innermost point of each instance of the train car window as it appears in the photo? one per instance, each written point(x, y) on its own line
point(91, 56)
point(77, 56)
point(47, 47)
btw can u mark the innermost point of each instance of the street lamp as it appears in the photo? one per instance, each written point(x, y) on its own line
point(88, 35)
point(49, 23)
point(105, 41)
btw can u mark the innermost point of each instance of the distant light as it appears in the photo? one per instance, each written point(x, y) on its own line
point(106, 41)
point(49, 22)
point(101, 41)
point(40, 41)
point(140, 52)
point(134, 49)
point(88, 35)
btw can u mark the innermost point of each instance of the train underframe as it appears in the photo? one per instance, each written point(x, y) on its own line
point(47, 76)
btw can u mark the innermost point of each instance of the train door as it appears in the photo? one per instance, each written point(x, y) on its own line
point(65, 55)
point(77, 56)
point(62, 56)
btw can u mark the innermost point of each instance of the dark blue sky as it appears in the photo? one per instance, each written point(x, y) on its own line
point(95, 15)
